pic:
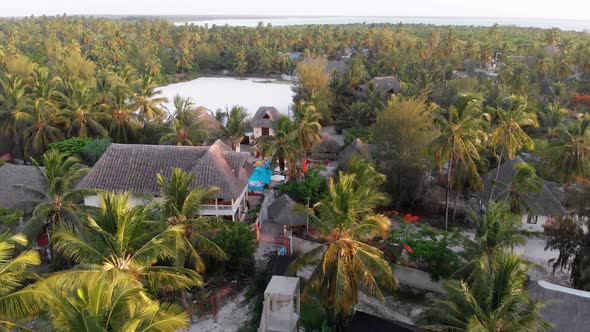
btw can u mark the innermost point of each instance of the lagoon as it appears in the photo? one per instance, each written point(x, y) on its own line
point(221, 92)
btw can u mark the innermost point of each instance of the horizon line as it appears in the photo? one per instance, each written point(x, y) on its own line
point(206, 17)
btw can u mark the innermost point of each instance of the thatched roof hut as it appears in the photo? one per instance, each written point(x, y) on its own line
point(283, 211)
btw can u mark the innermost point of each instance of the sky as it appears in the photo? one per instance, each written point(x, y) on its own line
point(554, 9)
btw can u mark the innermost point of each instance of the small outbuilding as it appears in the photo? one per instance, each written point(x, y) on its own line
point(263, 121)
point(282, 305)
point(284, 211)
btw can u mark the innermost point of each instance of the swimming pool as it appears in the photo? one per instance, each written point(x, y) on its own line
point(259, 178)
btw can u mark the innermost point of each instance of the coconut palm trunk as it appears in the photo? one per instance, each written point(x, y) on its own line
point(496, 175)
point(448, 193)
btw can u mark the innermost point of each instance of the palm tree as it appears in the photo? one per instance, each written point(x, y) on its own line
point(180, 209)
point(375, 100)
point(569, 153)
point(14, 101)
point(82, 119)
point(105, 301)
point(123, 127)
point(508, 133)
point(283, 145)
point(460, 139)
point(41, 130)
point(552, 117)
point(180, 135)
point(308, 126)
point(347, 264)
point(118, 237)
point(517, 193)
point(494, 298)
point(365, 173)
point(237, 124)
point(145, 100)
point(497, 229)
point(15, 303)
point(182, 110)
point(60, 204)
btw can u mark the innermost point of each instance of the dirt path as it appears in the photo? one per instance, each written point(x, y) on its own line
point(233, 315)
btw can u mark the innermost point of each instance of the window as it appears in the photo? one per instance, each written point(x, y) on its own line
point(532, 220)
point(266, 116)
point(265, 131)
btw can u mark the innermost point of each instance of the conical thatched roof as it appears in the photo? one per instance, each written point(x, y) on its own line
point(356, 147)
point(282, 211)
point(265, 117)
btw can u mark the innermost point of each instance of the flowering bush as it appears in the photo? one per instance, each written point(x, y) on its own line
point(409, 218)
point(427, 248)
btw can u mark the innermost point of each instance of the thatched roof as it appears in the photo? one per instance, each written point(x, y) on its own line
point(207, 121)
point(388, 84)
point(265, 116)
point(282, 211)
point(339, 66)
point(356, 147)
point(126, 167)
point(328, 144)
point(11, 175)
point(543, 203)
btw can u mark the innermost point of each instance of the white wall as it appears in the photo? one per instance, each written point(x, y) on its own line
point(92, 200)
point(538, 227)
point(258, 132)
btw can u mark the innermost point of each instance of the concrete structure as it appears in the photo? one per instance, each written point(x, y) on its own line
point(282, 302)
point(133, 168)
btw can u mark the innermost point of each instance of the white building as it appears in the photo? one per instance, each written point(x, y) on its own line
point(133, 168)
point(263, 121)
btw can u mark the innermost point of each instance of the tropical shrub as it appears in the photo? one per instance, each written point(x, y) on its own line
point(428, 248)
point(71, 146)
point(364, 133)
point(239, 243)
point(94, 150)
point(9, 217)
point(314, 186)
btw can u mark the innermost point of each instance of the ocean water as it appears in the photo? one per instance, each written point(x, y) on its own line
point(577, 25)
point(221, 92)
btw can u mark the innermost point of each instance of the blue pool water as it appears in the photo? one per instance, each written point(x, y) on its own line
point(259, 178)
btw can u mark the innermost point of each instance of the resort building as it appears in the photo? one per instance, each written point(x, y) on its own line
point(133, 168)
point(262, 122)
point(545, 204)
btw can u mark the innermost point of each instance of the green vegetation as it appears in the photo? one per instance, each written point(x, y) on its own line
point(469, 98)
point(346, 218)
point(9, 218)
point(430, 249)
point(94, 150)
point(72, 146)
point(313, 186)
point(239, 244)
point(492, 299)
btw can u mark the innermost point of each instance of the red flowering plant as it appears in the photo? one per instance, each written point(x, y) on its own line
point(427, 248)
